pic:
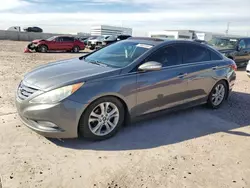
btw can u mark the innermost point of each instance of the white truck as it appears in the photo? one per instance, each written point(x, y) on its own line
point(14, 28)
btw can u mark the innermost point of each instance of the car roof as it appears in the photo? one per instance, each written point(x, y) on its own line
point(147, 40)
point(225, 37)
point(157, 41)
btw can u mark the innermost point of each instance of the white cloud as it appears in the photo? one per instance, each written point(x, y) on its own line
point(210, 15)
point(11, 4)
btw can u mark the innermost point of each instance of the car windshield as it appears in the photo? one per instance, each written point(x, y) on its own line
point(224, 43)
point(113, 37)
point(51, 38)
point(100, 38)
point(119, 54)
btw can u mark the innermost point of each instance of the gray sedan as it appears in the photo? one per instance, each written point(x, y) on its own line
point(93, 95)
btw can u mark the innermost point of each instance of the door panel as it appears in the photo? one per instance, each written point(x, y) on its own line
point(200, 71)
point(162, 89)
point(243, 55)
point(200, 80)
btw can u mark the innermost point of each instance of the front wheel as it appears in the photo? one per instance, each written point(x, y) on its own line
point(43, 49)
point(76, 49)
point(217, 95)
point(102, 119)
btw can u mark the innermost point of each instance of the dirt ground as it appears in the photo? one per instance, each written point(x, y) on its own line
point(193, 148)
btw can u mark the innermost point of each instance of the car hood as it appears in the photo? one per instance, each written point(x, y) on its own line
point(223, 50)
point(61, 73)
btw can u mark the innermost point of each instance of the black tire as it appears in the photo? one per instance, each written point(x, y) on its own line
point(76, 49)
point(210, 101)
point(84, 129)
point(43, 48)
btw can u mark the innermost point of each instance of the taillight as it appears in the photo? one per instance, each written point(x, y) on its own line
point(234, 66)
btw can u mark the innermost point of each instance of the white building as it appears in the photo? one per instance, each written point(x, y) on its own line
point(110, 30)
point(186, 34)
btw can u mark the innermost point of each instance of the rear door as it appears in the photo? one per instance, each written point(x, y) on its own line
point(67, 43)
point(200, 70)
point(165, 88)
point(242, 54)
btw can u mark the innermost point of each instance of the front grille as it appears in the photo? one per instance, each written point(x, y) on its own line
point(24, 92)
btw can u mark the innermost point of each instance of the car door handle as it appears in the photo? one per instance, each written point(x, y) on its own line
point(181, 75)
point(214, 68)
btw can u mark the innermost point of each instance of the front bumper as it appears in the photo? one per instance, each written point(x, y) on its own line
point(248, 69)
point(51, 120)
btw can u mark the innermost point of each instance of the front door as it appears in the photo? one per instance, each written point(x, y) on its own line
point(157, 90)
point(242, 56)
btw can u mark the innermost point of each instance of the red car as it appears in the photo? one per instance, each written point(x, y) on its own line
point(57, 43)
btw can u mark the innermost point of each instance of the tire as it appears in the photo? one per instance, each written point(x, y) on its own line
point(216, 98)
point(76, 49)
point(43, 48)
point(88, 124)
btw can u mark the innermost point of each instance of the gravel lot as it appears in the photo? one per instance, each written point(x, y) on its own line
point(197, 147)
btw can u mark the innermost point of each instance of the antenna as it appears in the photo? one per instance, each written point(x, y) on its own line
point(228, 25)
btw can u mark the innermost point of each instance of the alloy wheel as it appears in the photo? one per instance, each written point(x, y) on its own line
point(103, 118)
point(218, 94)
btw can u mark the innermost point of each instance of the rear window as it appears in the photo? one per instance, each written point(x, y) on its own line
point(215, 56)
point(195, 53)
point(67, 39)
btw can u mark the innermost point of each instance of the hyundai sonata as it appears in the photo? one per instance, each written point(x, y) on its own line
point(92, 95)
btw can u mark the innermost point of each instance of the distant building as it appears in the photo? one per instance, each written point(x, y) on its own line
point(110, 30)
point(83, 34)
point(186, 34)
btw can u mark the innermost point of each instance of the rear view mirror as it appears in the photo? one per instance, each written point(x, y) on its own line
point(150, 66)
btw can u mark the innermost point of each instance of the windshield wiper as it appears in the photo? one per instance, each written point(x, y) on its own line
point(97, 63)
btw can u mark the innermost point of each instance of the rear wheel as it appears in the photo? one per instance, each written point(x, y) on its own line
point(102, 119)
point(76, 49)
point(43, 49)
point(217, 95)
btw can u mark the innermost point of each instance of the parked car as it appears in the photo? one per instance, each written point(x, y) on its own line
point(237, 49)
point(33, 29)
point(248, 69)
point(57, 43)
point(114, 38)
point(96, 41)
point(93, 95)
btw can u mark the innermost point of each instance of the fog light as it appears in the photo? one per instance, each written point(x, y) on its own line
point(47, 124)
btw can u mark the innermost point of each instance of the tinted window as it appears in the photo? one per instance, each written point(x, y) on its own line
point(215, 56)
point(67, 39)
point(247, 42)
point(58, 39)
point(242, 44)
point(167, 56)
point(195, 53)
point(119, 54)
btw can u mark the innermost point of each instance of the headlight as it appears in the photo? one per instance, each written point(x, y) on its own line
point(56, 95)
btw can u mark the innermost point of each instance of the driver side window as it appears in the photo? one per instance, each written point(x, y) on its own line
point(167, 56)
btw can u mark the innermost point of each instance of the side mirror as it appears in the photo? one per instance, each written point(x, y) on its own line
point(150, 66)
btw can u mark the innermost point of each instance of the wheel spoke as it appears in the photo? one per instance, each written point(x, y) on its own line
point(93, 114)
point(97, 128)
point(108, 127)
point(102, 108)
point(93, 119)
point(113, 113)
point(106, 106)
point(110, 123)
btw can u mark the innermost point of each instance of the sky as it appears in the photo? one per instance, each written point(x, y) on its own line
point(72, 16)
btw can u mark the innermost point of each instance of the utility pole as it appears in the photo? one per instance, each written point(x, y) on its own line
point(228, 25)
